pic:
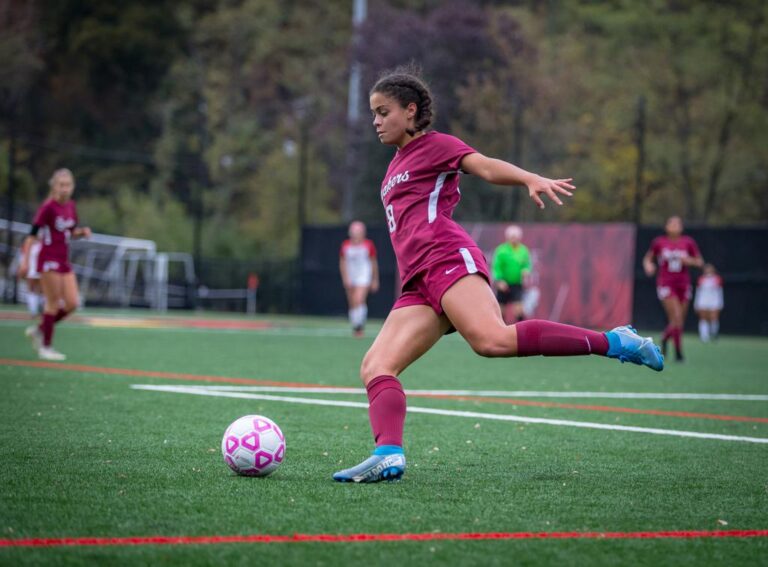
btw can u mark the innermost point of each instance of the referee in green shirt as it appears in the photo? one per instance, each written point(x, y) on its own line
point(511, 264)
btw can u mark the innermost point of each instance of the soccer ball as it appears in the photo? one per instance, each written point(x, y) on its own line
point(253, 446)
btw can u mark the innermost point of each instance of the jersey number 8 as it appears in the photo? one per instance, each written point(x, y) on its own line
point(391, 218)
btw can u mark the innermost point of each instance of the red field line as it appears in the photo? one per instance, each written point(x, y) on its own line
point(154, 322)
point(612, 409)
point(152, 373)
point(255, 382)
point(356, 538)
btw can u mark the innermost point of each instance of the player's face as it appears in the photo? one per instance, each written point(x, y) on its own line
point(391, 120)
point(674, 226)
point(357, 231)
point(63, 187)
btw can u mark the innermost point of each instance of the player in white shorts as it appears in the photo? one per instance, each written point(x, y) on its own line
point(28, 270)
point(709, 302)
point(359, 274)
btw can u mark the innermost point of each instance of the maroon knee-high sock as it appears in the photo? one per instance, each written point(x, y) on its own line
point(61, 315)
point(46, 327)
point(669, 331)
point(537, 337)
point(386, 410)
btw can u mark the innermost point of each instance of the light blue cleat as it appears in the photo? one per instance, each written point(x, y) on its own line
point(386, 463)
point(625, 344)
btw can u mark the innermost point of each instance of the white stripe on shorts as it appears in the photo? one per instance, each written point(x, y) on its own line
point(433, 196)
point(469, 261)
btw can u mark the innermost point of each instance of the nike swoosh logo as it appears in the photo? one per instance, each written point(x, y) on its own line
point(451, 270)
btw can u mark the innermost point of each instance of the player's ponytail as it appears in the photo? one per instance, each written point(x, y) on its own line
point(405, 86)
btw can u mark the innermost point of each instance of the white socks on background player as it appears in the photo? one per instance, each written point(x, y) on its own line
point(34, 303)
point(708, 329)
point(358, 316)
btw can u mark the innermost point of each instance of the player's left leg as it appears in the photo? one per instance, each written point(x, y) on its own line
point(714, 323)
point(359, 313)
point(70, 296)
point(407, 334)
point(703, 324)
point(53, 288)
point(470, 306)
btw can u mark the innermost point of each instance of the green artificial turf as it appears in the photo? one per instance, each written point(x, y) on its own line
point(83, 454)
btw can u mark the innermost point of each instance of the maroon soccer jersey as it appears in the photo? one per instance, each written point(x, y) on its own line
point(419, 194)
point(56, 221)
point(670, 253)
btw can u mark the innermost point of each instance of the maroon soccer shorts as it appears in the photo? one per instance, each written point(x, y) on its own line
point(428, 286)
point(681, 291)
point(52, 265)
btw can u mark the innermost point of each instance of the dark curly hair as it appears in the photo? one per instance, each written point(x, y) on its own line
point(405, 86)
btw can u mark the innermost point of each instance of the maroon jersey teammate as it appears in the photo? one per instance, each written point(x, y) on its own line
point(674, 253)
point(445, 276)
point(54, 225)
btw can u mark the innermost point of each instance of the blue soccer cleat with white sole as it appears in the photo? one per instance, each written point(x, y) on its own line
point(625, 344)
point(386, 463)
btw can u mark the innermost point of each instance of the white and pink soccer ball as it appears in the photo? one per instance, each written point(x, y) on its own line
point(253, 446)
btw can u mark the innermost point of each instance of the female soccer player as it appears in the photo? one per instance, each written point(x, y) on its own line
point(54, 225)
point(359, 274)
point(674, 253)
point(709, 303)
point(444, 274)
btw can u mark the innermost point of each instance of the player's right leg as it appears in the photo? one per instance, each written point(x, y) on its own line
point(53, 289)
point(470, 306)
point(407, 334)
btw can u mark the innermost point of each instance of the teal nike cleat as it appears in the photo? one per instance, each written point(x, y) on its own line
point(625, 344)
point(382, 466)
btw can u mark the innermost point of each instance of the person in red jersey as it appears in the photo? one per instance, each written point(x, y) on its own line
point(54, 225)
point(674, 253)
point(445, 278)
point(709, 303)
point(359, 274)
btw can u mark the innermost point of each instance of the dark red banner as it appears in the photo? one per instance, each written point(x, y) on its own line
point(583, 272)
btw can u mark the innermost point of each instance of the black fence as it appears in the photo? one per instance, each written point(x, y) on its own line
point(740, 255)
point(278, 284)
point(321, 290)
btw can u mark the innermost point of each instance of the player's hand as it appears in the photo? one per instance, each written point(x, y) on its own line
point(650, 269)
point(549, 187)
point(374, 286)
point(502, 286)
point(85, 232)
point(23, 270)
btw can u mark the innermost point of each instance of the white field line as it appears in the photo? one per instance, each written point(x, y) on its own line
point(474, 415)
point(498, 393)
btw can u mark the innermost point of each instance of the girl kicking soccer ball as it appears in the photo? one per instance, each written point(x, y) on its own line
point(444, 274)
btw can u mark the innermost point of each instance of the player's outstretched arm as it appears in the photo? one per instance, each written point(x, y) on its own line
point(648, 266)
point(500, 172)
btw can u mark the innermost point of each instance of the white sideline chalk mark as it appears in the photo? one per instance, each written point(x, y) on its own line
point(498, 393)
point(199, 391)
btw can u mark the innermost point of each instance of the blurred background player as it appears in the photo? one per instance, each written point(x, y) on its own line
point(54, 225)
point(709, 302)
point(674, 253)
point(359, 274)
point(510, 268)
point(34, 297)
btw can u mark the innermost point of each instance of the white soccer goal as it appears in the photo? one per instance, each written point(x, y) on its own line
point(114, 270)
